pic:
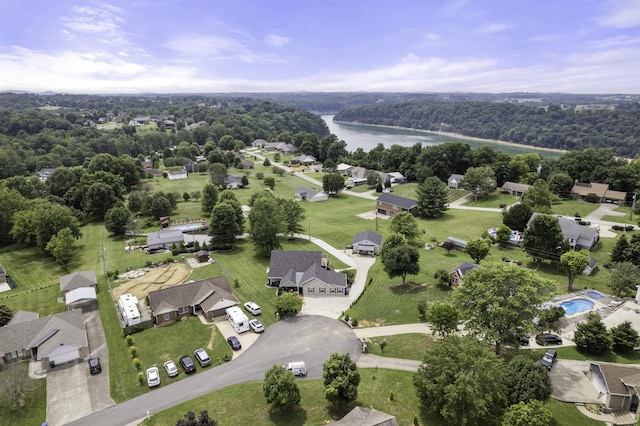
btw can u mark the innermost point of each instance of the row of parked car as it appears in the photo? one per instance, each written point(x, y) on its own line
point(186, 362)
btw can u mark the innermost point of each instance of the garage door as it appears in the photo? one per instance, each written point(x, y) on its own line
point(64, 354)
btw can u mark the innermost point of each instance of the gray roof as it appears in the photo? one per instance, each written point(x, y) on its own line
point(583, 235)
point(78, 279)
point(518, 187)
point(46, 333)
point(466, 267)
point(361, 416)
point(83, 293)
point(23, 316)
point(2, 271)
point(368, 236)
point(210, 294)
point(300, 267)
point(305, 191)
point(456, 177)
point(165, 237)
point(398, 201)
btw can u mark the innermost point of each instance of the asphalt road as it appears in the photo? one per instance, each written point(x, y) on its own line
point(308, 338)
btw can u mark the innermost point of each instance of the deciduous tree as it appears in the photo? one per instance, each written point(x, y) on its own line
point(517, 216)
point(432, 198)
point(625, 277)
point(478, 249)
point(402, 261)
point(266, 224)
point(5, 315)
point(539, 196)
point(405, 224)
point(280, 388)
point(341, 379)
point(288, 304)
point(543, 239)
point(210, 198)
point(224, 227)
point(293, 214)
point(117, 219)
point(480, 181)
point(443, 318)
point(532, 413)
point(574, 263)
point(332, 183)
point(218, 174)
point(526, 380)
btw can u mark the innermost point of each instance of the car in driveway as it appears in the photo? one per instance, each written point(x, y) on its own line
point(523, 340)
point(187, 364)
point(234, 343)
point(548, 339)
point(94, 366)
point(256, 325)
point(153, 377)
point(171, 369)
point(202, 357)
point(253, 308)
point(548, 359)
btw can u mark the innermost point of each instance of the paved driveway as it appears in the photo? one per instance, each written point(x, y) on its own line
point(571, 383)
point(308, 338)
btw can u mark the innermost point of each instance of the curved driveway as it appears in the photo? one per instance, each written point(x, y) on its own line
point(307, 338)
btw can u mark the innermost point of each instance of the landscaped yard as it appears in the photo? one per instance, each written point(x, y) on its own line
point(406, 346)
point(495, 200)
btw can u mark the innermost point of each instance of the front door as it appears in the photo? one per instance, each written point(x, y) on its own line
point(634, 403)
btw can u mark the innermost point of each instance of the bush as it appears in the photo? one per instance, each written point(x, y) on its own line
point(629, 228)
point(442, 276)
point(354, 322)
point(129, 340)
point(133, 351)
point(141, 377)
point(136, 363)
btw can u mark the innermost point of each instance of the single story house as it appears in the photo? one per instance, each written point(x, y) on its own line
point(78, 279)
point(515, 189)
point(367, 242)
point(344, 169)
point(177, 174)
point(54, 339)
point(169, 124)
point(164, 239)
point(211, 297)
point(259, 143)
point(456, 276)
point(359, 172)
point(306, 273)
point(601, 190)
point(578, 236)
point(389, 204)
point(618, 386)
point(44, 173)
point(247, 164)
point(305, 160)
point(455, 181)
point(311, 195)
point(233, 182)
point(83, 298)
point(396, 177)
point(362, 416)
point(279, 146)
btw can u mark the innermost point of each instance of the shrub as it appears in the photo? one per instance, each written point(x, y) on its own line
point(140, 377)
point(354, 322)
point(133, 351)
point(226, 357)
point(129, 340)
point(629, 228)
point(442, 276)
point(136, 363)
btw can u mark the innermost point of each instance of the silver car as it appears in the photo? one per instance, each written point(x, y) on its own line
point(171, 369)
point(202, 357)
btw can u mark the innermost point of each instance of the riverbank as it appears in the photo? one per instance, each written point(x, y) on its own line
point(456, 135)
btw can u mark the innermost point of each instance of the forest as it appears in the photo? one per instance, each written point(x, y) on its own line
point(565, 128)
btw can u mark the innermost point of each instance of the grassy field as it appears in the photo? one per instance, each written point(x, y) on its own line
point(406, 346)
point(34, 411)
point(573, 208)
point(571, 352)
point(495, 200)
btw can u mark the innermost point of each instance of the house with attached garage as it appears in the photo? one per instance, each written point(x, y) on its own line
point(577, 236)
point(618, 387)
point(311, 195)
point(367, 242)
point(164, 239)
point(389, 204)
point(79, 279)
point(599, 191)
point(211, 297)
point(515, 189)
point(305, 272)
point(54, 339)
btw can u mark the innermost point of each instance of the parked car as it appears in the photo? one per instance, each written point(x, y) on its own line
point(202, 357)
point(548, 339)
point(170, 368)
point(253, 308)
point(234, 343)
point(153, 377)
point(256, 325)
point(187, 364)
point(523, 340)
point(298, 368)
point(94, 365)
point(548, 359)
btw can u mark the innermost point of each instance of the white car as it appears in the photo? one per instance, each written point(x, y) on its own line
point(256, 326)
point(202, 357)
point(171, 368)
point(153, 377)
point(253, 308)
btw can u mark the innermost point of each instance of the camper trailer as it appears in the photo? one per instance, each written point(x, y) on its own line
point(237, 319)
point(129, 309)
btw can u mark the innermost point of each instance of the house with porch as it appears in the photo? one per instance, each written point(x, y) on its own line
point(618, 386)
point(367, 242)
point(515, 189)
point(211, 297)
point(601, 191)
point(305, 160)
point(79, 279)
point(305, 272)
point(456, 276)
point(389, 204)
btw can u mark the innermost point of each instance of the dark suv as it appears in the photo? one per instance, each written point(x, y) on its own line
point(548, 339)
point(187, 364)
point(94, 365)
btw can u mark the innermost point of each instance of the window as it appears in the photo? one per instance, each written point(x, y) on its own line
point(310, 290)
point(183, 310)
point(166, 316)
point(322, 290)
point(333, 290)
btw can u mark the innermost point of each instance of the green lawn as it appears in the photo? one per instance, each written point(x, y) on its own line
point(571, 352)
point(571, 207)
point(565, 414)
point(34, 411)
point(406, 346)
point(495, 200)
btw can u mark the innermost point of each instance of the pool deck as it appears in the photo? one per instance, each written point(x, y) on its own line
point(604, 307)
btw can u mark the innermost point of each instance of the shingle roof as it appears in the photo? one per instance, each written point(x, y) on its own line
point(300, 267)
point(165, 237)
point(456, 178)
point(518, 187)
point(305, 191)
point(466, 267)
point(396, 200)
point(368, 236)
point(23, 316)
point(361, 416)
point(582, 234)
point(78, 279)
point(616, 376)
point(207, 293)
point(584, 189)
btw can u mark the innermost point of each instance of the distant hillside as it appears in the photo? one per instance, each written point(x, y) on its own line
point(569, 128)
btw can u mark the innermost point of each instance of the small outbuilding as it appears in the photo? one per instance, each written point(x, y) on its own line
point(367, 242)
point(82, 298)
point(202, 256)
point(78, 279)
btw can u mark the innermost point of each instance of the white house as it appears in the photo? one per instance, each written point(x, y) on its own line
point(177, 174)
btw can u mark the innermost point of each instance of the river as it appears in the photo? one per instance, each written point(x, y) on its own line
point(368, 137)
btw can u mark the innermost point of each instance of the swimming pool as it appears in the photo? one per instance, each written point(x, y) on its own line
point(189, 226)
point(574, 306)
point(594, 295)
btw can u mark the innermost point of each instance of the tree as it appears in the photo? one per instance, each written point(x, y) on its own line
point(543, 239)
point(592, 336)
point(620, 250)
point(280, 388)
point(209, 199)
point(539, 196)
point(186, 196)
point(266, 223)
point(117, 219)
point(481, 181)
point(288, 304)
point(98, 199)
point(224, 227)
point(405, 224)
point(244, 180)
point(136, 200)
point(574, 263)
point(5, 315)
point(218, 174)
point(229, 196)
point(560, 184)
point(373, 179)
point(532, 413)
point(517, 216)
point(266, 162)
point(624, 337)
point(549, 318)
point(292, 215)
point(393, 240)
point(443, 318)
point(432, 198)
point(269, 182)
point(526, 380)
point(190, 419)
point(159, 207)
point(15, 384)
point(503, 234)
point(341, 379)
point(625, 276)
point(402, 261)
point(478, 249)
point(499, 301)
point(41, 220)
point(457, 380)
point(332, 183)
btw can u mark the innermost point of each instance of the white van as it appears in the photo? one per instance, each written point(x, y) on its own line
point(298, 368)
point(237, 319)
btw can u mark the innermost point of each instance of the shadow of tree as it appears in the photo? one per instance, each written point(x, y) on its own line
point(409, 288)
point(294, 416)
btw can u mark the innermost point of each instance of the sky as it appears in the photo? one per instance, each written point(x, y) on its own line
point(212, 46)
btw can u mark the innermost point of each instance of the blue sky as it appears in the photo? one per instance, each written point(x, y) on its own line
point(169, 46)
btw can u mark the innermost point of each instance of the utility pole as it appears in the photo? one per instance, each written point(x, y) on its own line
point(633, 207)
point(309, 228)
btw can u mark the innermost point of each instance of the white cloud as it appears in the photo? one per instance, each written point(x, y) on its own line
point(617, 41)
point(625, 14)
point(105, 21)
point(216, 47)
point(276, 40)
point(493, 28)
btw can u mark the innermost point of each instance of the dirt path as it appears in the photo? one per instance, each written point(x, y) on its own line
point(154, 279)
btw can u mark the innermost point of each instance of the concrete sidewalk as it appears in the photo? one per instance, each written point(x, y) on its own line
point(376, 361)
